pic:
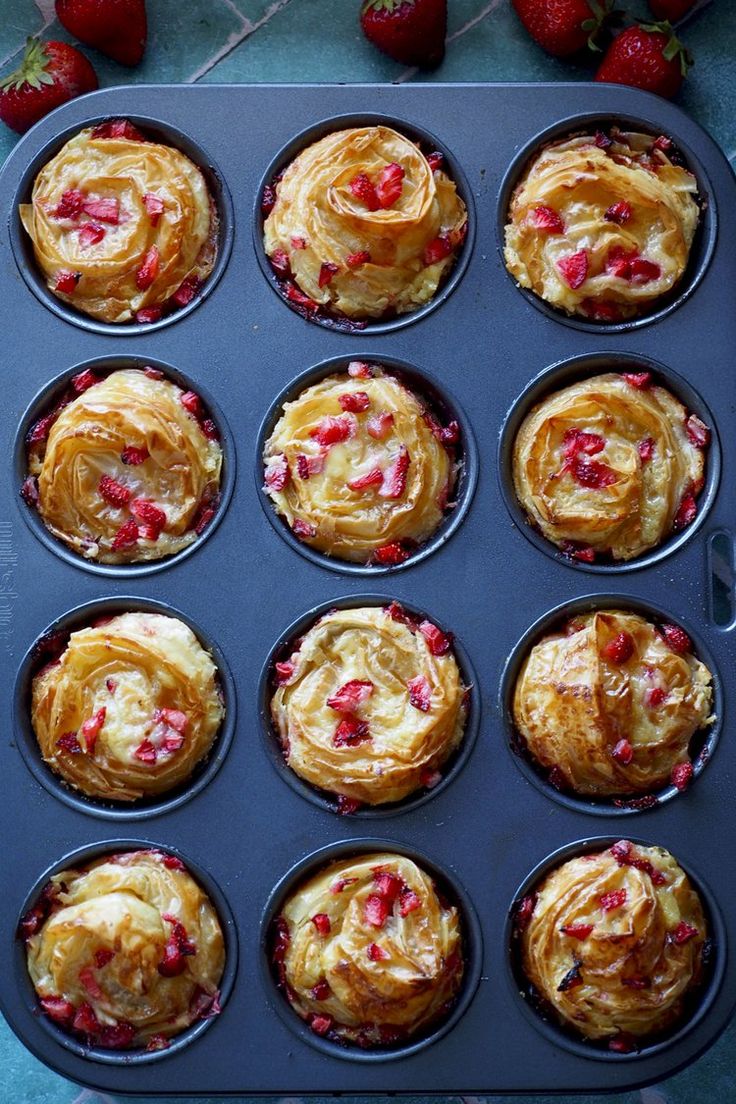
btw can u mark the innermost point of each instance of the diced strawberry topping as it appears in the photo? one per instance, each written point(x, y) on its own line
point(640, 380)
point(450, 434)
point(577, 931)
point(89, 982)
point(574, 269)
point(654, 697)
point(628, 265)
point(326, 273)
point(146, 752)
point(84, 380)
point(154, 207)
point(106, 209)
point(613, 900)
point(677, 639)
point(350, 695)
point(321, 922)
point(320, 1025)
point(173, 717)
point(409, 901)
point(298, 242)
point(351, 732)
point(524, 912)
point(186, 291)
point(439, 643)
point(646, 449)
point(389, 184)
point(295, 295)
point(355, 260)
point(66, 281)
point(592, 473)
point(644, 271)
point(602, 310)
point(85, 1020)
point(437, 249)
point(623, 752)
point(172, 862)
point(133, 456)
point(304, 530)
point(683, 932)
point(347, 805)
point(429, 778)
point(364, 190)
point(321, 991)
point(387, 884)
point(355, 401)
point(578, 440)
point(686, 511)
point(277, 473)
point(619, 648)
point(192, 403)
point(148, 270)
point(341, 884)
point(378, 425)
point(148, 314)
point(113, 492)
point(284, 671)
point(70, 205)
point(376, 953)
point(68, 742)
point(377, 909)
point(157, 1042)
point(602, 140)
point(435, 160)
point(581, 552)
point(118, 1037)
point(39, 431)
point(331, 430)
point(91, 729)
point(391, 554)
point(147, 511)
point(102, 957)
point(90, 234)
point(546, 218)
point(619, 213)
point(358, 369)
point(394, 480)
point(373, 478)
point(58, 1009)
point(268, 199)
point(697, 431)
point(118, 128)
point(420, 693)
point(681, 777)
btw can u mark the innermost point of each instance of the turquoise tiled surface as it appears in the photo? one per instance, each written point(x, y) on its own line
point(245, 41)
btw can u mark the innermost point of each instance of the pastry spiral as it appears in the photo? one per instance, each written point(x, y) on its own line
point(370, 705)
point(609, 467)
point(129, 708)
point(368, 951)
point(602, 227)
point(355, 464)
point(127, 951)
point(363, 225)
point(611, 703)
point(125, 472)
point(614, 942)
point(122, 227)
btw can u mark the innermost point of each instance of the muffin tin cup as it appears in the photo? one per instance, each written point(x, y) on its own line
point(705, 237)
point(571, 371)
point(165, 133)
point(428, 142)
point(143, 808)
point(472, 947)
point(552, 1027)
point(28, 999)
point(439, 402)
point(322, 798)
point(703, 744)
point(45, 400)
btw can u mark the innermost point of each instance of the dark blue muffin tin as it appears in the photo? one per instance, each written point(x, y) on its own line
point(490, 825)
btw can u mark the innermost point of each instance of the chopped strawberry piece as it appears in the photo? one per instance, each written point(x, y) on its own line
point(148, 314)
point(39, 431)
point(623, 752)
point(89, 982)
point(613, 900)
point(602, 140)
point(654, 697)
point(147, 511)
point(646, 449)
point(90, 234)
point(192, 403)
point(173, 717)
point(203, 518)
point(662, 143)
point(341, 884)
point(391, 554)
point(102, 957)
point(355, 401)
point(294, 295)
point(70, 205)
point(58, 1009)
point(583, 552)
point(154, 207)
point(66, 281)
point(377, 909)
point(91, 728)
point(619, 648)
point(409, 901)
point(277, 473)
point(546, 218)
point(619, 213)
point(85, 1020)
point(435, 160)
point(157, 1042)
point(437, 250)
point(268, 199)
point(450, 434)
point(376, 953)
point(592, 473)
point(640, 380)
point(148, 270)
point(331, 430)
point(209, 429)
point(686, 512)
point(644, 271)
point(148, 532)
point(146, 752)
point(378, 425)
point(186, 291)
point(68, 742)
point(358, 369)
point(390, 184)
point(697, 431)
point(439, 643)
point(284, 671)
point(327, 271)
point(373, 478)
point(106, 209)
point(347, 805)
point(430, 778)
point(387, 884)
point(574, 269)
point(622, 1043)
point(350, 695)
point(303, 529)
point(355, 260)
point(683, 932)
point(578, 440)
point(118, 128)
point(298, 243)
point(363, 189)
point(681, 777)
point(133, 456)
point(320, 1025)
point(111, 685)
point(172, 862)
point(394, 480)
point(113, 492)
point(321, 922)
point(420, 693)
point(677, 639)
point(118, 1037)
point(321, 991)
point(577, 931)
point(173, 962)
point(601, 310)
point(524, 912)
point(351, 732)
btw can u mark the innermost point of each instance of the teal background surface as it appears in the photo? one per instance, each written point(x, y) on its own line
point(257, 41)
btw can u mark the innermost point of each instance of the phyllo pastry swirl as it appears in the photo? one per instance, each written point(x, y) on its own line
point(125, 952)
point(126, 468)
point(610, 466)
point(359, 467)
point(602, 226)
point(123, 228)
point(370, 705)
point(362, 224)
point(610, 703)
point(613, 942)
point(368, 951)
point(129, 708)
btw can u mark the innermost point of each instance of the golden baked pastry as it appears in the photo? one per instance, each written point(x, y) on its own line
point(126, 469)
point(614, 942)
point(362, 224)
point(602, 227)
point(359, 469)
point(610, 703)
point(368, 952)
point(129, 708)
point(123, 228)
point(370, 705)
point(610, 466)
point(125, 952)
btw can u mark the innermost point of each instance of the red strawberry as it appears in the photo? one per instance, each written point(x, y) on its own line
point(389, 184)
point(114, 27)
point(670, 9)
point(411, 32)
point(50, 74)
point(562, 27)
point(646, 56)
point(573, 268)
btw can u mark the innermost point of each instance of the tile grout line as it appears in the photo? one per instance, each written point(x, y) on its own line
point(409, 73)
point(236, 38)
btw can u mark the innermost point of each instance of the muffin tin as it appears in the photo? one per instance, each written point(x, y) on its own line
point(488, 828)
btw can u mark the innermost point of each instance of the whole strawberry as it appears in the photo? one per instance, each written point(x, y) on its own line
point(670, 9)
point(648, 56)
point(410, 31)
point(50, 74)
point(114, 27)
point(563, 27)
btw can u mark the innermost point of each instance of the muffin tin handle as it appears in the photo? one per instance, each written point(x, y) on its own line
point(721, 560)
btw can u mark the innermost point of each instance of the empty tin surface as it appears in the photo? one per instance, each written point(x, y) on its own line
point(489, 827)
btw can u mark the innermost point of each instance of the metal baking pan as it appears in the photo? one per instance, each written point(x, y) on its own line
point(478, 349)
